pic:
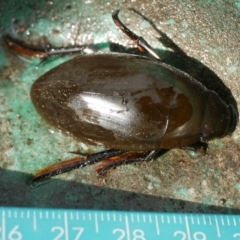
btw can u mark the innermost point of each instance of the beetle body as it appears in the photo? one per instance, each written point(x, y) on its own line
point(130, 102)
point(134, 106)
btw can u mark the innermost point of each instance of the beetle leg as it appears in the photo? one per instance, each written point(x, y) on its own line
point(43, 53)
point(199, 146)
point(73, 163)
point(23, 49)
point(142, 44)
point(128, 158)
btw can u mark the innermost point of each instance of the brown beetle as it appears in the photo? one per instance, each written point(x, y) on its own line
point(134, 106)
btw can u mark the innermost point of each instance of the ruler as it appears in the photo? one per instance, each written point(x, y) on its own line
point(64, 224)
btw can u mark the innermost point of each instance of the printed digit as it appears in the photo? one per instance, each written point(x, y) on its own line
point(61, 232)
point(121, 231)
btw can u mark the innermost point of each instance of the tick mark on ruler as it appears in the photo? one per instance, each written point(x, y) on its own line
point(96, 223)
point(192, 220)
point(222, 220)
point(204, 220)
point(217, 227)
point(228, 221)
point(187, 228)
point(162, 219)
point(210, 220)
point(157, 225)
point(144, 218)
point(234, 221)
point(174, 219)
point(66, 226)
point(34, 221)
point(127, 228)
point(3, 225)
point(150, 218)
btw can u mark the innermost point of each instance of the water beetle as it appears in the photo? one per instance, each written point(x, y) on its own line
point(133, 105)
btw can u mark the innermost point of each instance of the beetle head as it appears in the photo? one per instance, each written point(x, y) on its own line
point(219, 118)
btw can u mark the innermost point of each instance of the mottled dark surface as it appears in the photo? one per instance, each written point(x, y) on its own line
point(199, 37)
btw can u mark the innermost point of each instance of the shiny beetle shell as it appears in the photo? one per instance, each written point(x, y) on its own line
point(129, 102)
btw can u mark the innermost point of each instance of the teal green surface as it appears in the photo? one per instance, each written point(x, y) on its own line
point(179, 181)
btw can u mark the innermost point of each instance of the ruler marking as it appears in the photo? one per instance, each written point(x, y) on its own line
point(102, 218)
point(120, 217)
point(47, 215)
point(187, 228)
point(34, 221)
point(127, 227)
point(210, 220)
point(180, 219)
point(192, 220)
point(114, 217)
point(222, 220)
point(83, 217)
point(96, 223)
point(138, 218)
point(162, 219)
point(217, 227)
point(90, 216)
point(22, 214)
point(204, 220)
point(132, 218)
point(3, 226)
point(198, 220)
point(9, 214)
point(28, 214)
point(149, 218)
point(53, 215)
point(66, 226)
point(234, 221)
point(108, 217)
point(168, 219)
point(228, 221)
point(15, 214)
point(174, 219)
point(157, 225)
point(144, 218)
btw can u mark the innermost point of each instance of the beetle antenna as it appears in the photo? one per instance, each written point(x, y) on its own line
point(142, 44)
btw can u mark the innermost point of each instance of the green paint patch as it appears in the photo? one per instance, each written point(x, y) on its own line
point(237, 186)
point(171, 22)
point(181, 192)
point(237, 4)
point(233, 68)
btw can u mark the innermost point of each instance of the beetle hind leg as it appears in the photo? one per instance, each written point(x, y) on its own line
point(110, 158)
point(127, 158)
point(64, 166)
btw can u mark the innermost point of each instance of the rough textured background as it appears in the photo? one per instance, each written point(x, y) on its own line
point(201, 37)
